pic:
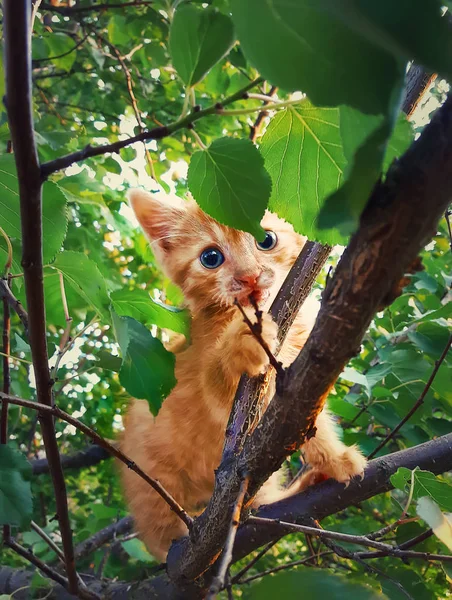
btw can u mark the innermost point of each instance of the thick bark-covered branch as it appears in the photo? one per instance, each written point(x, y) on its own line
point(90, 456)
point(400, 217)
point(316, 502)
point(416, 84)
point(19, 106)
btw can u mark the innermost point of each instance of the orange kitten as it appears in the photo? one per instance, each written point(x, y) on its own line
point(213, 265)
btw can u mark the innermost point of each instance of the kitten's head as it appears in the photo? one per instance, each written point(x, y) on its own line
point(211, 263)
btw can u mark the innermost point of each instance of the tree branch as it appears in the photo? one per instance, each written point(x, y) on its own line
point(6, 293)
point(88, 457)
point(157, 133)
point(105, 535)
point(54, 411)
point(416, 84)
point(19, 106)
point(400, 217)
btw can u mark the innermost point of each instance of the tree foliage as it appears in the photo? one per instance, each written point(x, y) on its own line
point(198, 75)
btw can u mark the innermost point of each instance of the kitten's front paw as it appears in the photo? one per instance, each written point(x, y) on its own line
point(343, 467)
point(248, 355)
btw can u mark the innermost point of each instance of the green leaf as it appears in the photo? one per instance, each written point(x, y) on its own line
point(365, 141)
point(137, 550)
point(147, 370)
point(54, 210)
point(85, 278)
point(425, 484)
point(412, 582)
point(328, 54)
point(411, 29)
point(58, 44)
point(16, 504)
point(229, 182)
point(106, 360)
point(117, 31)
point(399, 142)
point(312, 583)
point(198, 39)
point(303, 154)
point(138, 304)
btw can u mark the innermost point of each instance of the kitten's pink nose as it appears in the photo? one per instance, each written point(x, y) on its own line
point(249, 280)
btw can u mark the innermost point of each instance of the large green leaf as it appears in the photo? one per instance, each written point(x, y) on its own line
point(308, 584)
point(147, 370)
point(61, 50)
point(309, 152)
point(229, 182)
point(138, 304)
point(85, 278)
point(304, 45)
point(198, 39)
point(54, 211)
point(16, 504)
point(411, 29)
point(425, 484)
point(303, 154)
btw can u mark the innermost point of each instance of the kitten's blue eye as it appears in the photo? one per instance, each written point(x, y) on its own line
point(211, 258)
point(271, 239)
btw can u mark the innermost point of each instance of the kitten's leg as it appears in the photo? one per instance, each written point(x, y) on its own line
point(329, 456)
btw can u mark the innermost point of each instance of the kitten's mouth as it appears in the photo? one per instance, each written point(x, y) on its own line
point(258, 297)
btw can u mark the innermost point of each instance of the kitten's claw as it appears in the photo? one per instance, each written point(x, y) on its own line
point(248, 356)
point(351, 463)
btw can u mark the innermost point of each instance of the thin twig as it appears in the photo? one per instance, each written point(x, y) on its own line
point(226, 556)
point(238, 576)
point(256, 330)
point(77, 45)
point(418, 402)
point(254, 129)
point(360, 540)
point(133, 99)
point(5, 292)
point(55, 411)
point(290, 565)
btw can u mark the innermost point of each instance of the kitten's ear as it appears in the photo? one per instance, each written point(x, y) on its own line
point(157, 214)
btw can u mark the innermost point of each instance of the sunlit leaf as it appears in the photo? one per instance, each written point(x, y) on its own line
point(139, 305)
point(198, 39)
